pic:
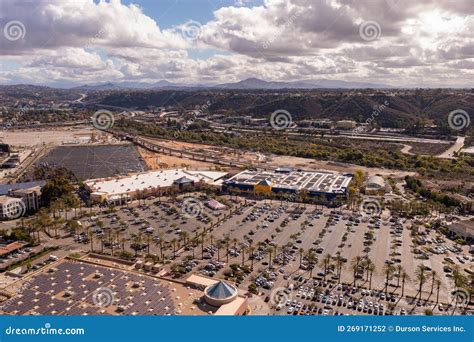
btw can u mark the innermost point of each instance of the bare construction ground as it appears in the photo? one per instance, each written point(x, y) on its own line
point(157, 161)
point(47, 136)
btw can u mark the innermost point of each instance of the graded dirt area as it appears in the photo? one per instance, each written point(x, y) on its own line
point(157, 161)
point(46, 136)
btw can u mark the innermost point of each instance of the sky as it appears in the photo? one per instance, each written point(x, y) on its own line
point(406, 43)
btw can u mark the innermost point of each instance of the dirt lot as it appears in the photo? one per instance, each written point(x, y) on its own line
point(48, 136)
point(156, 161)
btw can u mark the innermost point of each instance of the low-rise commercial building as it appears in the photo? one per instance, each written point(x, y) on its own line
point(29, 196)
point(119, 189)
point(346, 124)
point(315, 186)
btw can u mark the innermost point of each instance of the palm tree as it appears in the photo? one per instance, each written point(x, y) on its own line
point(355, 267)
point(184, 236)
point(74, 203)
point(160, 242)
point(193, 245)
point(339, 262)
point(421, 276)
point(438, 285)
point(399, 273)
point(91, 237)
point(404, 277)
point(173, 242)
point(137, 242)
point(67, 206)
point(458, 278)
point(433, 280)
point(218, 246)
point(203, 236)
point(326, 263)
point(312, 259)
point(55, 207)
point(56, 222)
point(101, 239)
point(243, 254)
point(148, 240)
point(269, 251)
point(388, 271)
point(251, 251)
point(227, 244)
point(371, 270)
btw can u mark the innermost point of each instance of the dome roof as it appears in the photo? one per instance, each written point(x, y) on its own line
point(221, 290)
point(265, 182)
point(375, 182)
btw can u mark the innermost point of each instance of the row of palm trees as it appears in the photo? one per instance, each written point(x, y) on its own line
point(362, 267)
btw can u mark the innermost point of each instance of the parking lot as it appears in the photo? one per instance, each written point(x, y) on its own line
point(291, 229)
point(269, 246)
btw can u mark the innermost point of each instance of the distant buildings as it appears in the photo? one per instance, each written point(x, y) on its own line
point(317, 186)
point(346, 124)
point(462, 229)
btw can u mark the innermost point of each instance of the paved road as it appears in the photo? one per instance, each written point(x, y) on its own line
point(449, 153)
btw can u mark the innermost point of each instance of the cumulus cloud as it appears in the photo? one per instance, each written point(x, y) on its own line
point(408, 42)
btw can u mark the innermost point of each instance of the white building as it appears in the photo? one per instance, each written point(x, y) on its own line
point(346, 124)
point(149, 183)
point(30, 196)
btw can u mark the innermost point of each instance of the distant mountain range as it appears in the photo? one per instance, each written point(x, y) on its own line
point(249, 83)
point(255, 83)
